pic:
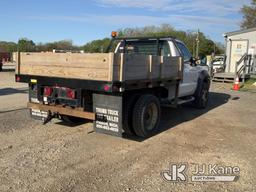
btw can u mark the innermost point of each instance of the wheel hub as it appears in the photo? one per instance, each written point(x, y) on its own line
point(150, 117)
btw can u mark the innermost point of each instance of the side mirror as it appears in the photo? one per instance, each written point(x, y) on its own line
point(193, 61)
point(202, 60)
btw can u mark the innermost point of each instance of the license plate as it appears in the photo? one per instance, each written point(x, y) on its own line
point(38, 114)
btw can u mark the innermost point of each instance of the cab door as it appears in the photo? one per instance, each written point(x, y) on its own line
point(190, 73)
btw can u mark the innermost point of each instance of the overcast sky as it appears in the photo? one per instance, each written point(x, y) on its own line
point(83, 21)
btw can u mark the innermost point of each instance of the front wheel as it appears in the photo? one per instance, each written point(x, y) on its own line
point(202, 95)
point(146, 115)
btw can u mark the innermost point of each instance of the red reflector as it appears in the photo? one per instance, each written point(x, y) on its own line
point(18, 79)
point(47, 91)
point(107, 88)
point(71, 94)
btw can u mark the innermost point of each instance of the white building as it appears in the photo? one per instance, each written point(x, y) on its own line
point(237, 44)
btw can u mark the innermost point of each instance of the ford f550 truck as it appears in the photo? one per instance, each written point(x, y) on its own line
point(121, 91)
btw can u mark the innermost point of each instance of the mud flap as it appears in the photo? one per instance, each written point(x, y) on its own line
point(108, 110)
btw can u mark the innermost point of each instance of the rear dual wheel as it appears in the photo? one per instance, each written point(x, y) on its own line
point(144, 116)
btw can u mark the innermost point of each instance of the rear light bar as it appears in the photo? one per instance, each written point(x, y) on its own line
point(107, 88)
point(110, 88)
point(63, 92)
point(71, 93)
point(17, 79)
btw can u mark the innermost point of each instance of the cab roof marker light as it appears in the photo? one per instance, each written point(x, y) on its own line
point(114, 34)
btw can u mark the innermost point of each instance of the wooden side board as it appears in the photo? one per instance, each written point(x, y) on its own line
point(139, 67)
point(66, 65)
point(99, 66)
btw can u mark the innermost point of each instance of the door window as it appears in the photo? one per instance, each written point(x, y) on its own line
point(184, 51)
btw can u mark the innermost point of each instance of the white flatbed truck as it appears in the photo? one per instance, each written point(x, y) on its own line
point(121, 91)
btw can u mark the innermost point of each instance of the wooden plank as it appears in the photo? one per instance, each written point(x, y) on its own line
point(66, 59)
point(122, 69)
point(156, 67)
point(63, 72)
point(62, 110)
point(111, 67)
point(116, 73)
point(137, 66)
point(171, 67)
point(17, 68)
point(67, 65)
point(141, 73)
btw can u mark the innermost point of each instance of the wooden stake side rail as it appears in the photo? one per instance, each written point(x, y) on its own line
point(62, 110)
point(99, 66)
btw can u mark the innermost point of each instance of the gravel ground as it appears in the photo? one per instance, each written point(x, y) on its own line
point(61, 157)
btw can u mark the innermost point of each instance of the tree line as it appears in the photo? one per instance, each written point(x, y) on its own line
point(27, 45)
point(190, 38)
point(207, 46)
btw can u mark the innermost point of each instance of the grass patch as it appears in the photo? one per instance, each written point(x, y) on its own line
point(248, 85)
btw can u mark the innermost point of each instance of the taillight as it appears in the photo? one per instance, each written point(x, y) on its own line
point(17, 79)
point(110, 88)
point(47, 91)
point(71, 94)
point(107, 88)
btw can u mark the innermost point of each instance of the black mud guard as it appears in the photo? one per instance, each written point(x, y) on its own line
point(109, 114)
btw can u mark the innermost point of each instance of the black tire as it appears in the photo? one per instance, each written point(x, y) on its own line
point(71, 119)
point(1, 67)
point(202, 94)
point(146, 116)
point(129, 103)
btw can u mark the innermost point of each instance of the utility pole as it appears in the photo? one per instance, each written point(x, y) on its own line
point(197, 43)
point(194, 46)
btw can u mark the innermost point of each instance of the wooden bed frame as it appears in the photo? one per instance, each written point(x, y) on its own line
point(99, 66)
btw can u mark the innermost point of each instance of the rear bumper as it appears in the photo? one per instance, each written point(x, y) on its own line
point(62, 110)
